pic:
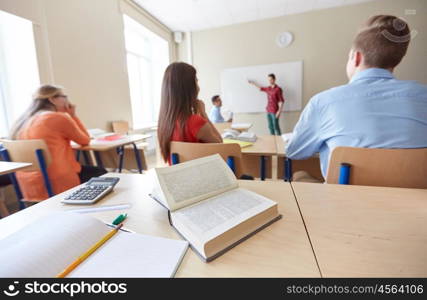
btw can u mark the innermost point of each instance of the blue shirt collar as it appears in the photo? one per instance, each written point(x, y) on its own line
point(372, 73)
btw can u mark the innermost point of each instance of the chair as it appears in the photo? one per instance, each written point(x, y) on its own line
point(31, 151)
point(121, 127)
point(405, 168)
point(231, 153)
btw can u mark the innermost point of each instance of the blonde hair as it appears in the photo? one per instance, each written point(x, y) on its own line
point(40, 102)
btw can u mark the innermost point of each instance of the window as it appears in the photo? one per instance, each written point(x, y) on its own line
point(147, 59)
point(18, 68)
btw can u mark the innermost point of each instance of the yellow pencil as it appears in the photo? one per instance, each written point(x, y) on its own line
point(80, 259)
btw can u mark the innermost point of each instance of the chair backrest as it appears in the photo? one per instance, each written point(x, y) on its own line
point(222, 126)
point(120, 127)
point(25, 151)
point(190, 151)
point(406, 168)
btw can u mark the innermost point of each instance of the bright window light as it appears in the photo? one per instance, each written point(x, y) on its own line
point(18, 68)
point(147, 59)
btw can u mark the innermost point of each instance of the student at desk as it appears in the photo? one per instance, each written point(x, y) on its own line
point(182, 116)
point(215, 115)
point(53, 118)
point(374, 110)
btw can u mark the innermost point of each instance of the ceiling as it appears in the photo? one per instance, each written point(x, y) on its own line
point(194, 15)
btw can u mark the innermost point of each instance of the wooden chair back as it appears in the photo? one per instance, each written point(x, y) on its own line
point(405, 168)
point(25, 151)
point(190, 151)
point(120, 127)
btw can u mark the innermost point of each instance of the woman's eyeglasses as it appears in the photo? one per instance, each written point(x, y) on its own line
point(63, 96)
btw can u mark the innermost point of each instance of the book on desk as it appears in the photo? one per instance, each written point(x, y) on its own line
point(207, 207)
point(46, 247)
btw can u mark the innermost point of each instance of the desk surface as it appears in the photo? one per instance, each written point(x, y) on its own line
point(281, 250)
point(10, 167)
point(96, 145)
point(265, 145)
point(360, 231)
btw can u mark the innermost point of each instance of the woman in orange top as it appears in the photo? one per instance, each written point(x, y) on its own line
point(53, 118)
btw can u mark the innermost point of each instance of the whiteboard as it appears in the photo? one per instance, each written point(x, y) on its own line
point(241, 97)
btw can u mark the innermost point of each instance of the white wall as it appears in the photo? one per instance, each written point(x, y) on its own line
point(322, 41)
point(80, 45)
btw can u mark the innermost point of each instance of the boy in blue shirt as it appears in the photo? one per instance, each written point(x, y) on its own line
point(374, 110)
point(215, 115)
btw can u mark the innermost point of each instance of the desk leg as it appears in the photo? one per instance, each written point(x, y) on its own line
point(121, 153)
point(287, 169)
point(5, 156)
point(86, 158)
point(262, 167)
point(17, 189)
point(98, 158)
point(137, 158)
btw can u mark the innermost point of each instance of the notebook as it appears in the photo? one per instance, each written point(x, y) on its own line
point(109, 138)
point(47, 246)
point(242, 144)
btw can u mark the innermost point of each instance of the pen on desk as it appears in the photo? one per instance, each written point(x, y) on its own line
point(91, 250)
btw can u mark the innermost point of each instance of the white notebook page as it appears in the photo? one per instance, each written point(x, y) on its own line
point(134, 255)
point(47, 246)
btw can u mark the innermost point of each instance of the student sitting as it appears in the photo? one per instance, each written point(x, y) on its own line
point(374, 110)
point(215, 115)
point(53, 118)
point(182, 116)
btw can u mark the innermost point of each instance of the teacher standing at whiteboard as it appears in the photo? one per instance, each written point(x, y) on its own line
point(274, 104)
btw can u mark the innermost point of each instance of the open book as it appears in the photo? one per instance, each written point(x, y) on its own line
point(241, 136)
point(46, 247)
point(208, 208)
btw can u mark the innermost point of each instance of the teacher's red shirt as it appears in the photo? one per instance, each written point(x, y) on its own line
point(275, 95)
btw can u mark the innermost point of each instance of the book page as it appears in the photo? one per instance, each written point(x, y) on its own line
point(47, 246)
point(187, 183)
point(208, 219)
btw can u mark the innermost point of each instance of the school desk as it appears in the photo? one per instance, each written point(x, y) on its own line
point(361, 231)
point(6, 168)
point(101, 146)
point(10, 167)
point(280, 250)
point(286, 167)
point(257, 159)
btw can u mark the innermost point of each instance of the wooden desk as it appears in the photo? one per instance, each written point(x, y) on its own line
point(6, 168)
point(10, 167)
point(96, 145)
point(101, 146)
point(257, 159)
point(310, 165)
point(360, 231)
point(281, 250)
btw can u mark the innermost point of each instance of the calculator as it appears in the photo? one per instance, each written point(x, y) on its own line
point(94, 190)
